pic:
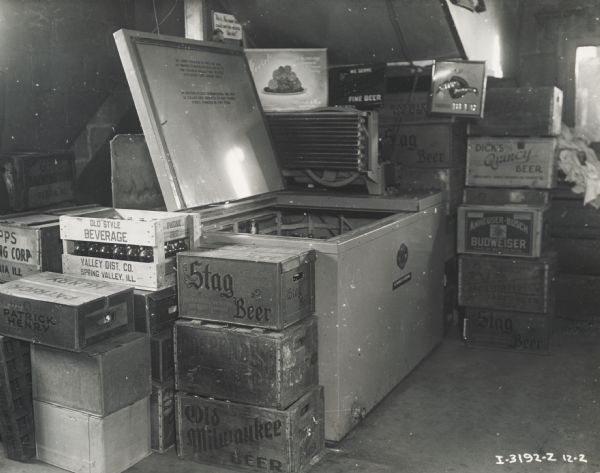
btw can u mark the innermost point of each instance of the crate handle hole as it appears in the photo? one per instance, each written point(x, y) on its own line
point(300, 342)
point(298, 276)
point(106, 319)
point(304, 410)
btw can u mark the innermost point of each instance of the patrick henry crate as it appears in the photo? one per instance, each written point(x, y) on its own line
point(263, 287)
point(64, 311)
point(131, 247)
point(248, 437)
point(254, 366)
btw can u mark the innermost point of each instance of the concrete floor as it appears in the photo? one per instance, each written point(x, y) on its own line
point(458, 410)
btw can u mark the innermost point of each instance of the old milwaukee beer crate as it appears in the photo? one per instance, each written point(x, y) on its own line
point(500, 196)
point(578, 296)
point(100, 380)
point(520, 111)
point(33, 180)
point(155, 310)
point(249, 437)
point(83, 443)
point(247, 285)
point(253, 366)
point(514, 230)
point(64, 311)
point(577, 255)
point(505, 283)
point(133, 247)
point(569, 218)
point(511, 162)
point(520, 331)
point(162, 356)
point(16, 404)
point(162, 416)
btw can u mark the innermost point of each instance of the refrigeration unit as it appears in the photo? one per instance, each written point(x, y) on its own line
point(379, 265)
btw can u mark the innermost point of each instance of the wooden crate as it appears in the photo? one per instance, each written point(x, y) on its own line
point(16, 404)
point(499, 196)
point(132, 247)
point(569, 218)
point(577, 255)
point(64, 311)
point(520, 284)
point(511, 230)
point(162, 417)
point(524, 111)
point(511, 162)
point(520, 331)
point(162, 356)
point(100, 380)
point(83, 443)
point(251, 366)
point(577, 296)
point(247, 285)
point(34, 180)
point(155, 310)
point(249, 437)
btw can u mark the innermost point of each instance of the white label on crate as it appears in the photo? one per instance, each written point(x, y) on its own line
point(19, 245)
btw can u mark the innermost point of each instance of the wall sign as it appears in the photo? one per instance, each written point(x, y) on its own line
point(230, 27)
point(361, 86)
point(458, 88)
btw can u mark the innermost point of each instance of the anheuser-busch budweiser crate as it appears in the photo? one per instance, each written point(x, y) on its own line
point(133, 247)
point(511, 162)
point(253, 366)
point(522, 331)
point(64, 311)
point(514, 230)
point(503, 283)
point(249, 437)
point(162, 416)
point(500, 196)
point(247, 285)
point(155, 310)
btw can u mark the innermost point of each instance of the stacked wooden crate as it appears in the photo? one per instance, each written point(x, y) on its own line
point(246, 370)
point(506, 272)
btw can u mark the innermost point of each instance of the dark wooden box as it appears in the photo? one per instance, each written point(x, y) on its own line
point(578, 296)
point(505, 283)
point(577, 255)
point(64, 311)
point(100, 380)
point(569, 218)
point(252, 366)
point(519, 331)
point(249, 437)
point(247, 285)
point(162, 356)
point(155, 311)
point(500, 196)
point(162, 417)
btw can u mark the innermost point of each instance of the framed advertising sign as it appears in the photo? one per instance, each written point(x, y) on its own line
point(458, 88)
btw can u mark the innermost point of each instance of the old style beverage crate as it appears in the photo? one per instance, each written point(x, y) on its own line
point(162, 416)
point(249, 437)
point(577, 255)
point(247, 285)
point(84, 443)
point(131, 247)
point(503, 283)
point(16, 404)
point(511, 162)
point(500, 196)
point(33, 180)
point(253, 366)
point(514, 230)
point(520, 111)
point(155, 310)
point(100, 380)
point(162, 356)
point(521, 331)
point(64, 311)
point(569, 218)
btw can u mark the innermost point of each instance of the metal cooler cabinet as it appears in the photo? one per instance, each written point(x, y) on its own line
point(379, 265)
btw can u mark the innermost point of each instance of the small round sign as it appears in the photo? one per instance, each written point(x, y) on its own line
point(402, 256)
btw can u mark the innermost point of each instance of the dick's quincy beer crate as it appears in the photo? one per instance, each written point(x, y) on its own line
point(132, 247)
point(248, 437)
point(263, 287)
point(511, 162)
point(64, 311)
point(513, 230)
point(253, 366)
point(162, 416)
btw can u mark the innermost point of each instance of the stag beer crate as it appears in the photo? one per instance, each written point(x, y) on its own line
point(577, 255)
point(520, 111)
point(162, 356)
point(253, 366)
point(569, 218)
point(133, 247)
point(100, 380)
point(504, 283)
point(33, 180)
point(263, 287)
point(500, 196)
point(248, 437)
point(155, 310)
point(64, 311)
point(162, 416)
point(577, 296)
point(511, 162)
point(83, 443)
point(520, 331)
point(512, 230)
point(16, 405)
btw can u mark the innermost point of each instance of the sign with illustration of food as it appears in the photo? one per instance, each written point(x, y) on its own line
point(284, 81)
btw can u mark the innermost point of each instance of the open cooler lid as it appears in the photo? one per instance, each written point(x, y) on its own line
point(201, 117)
